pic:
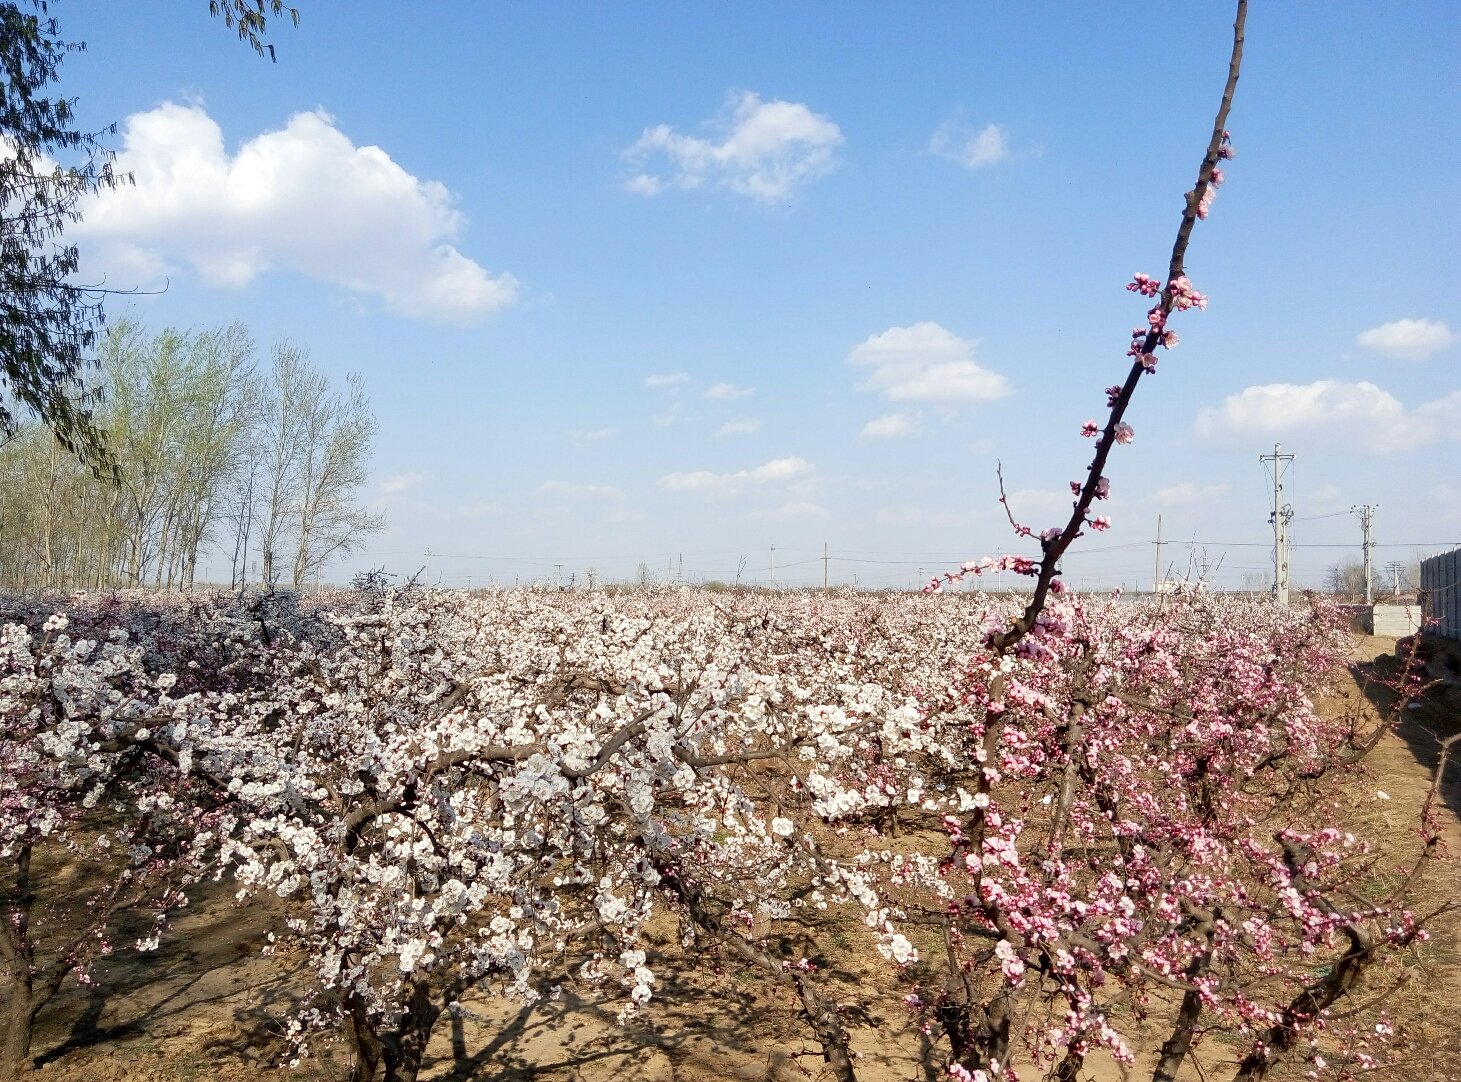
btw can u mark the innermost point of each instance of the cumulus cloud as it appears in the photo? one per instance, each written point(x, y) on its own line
point(971, 149)
point(665, 379)
point(592, 435)
point(1357, 413)
point(778, 471)
point(572, 490)
point(724, 392)
point(762, 149)
point(925, 362)
point(890, 426)
point(1189, 492)
point(1408, 339)
point(396, 483)
point(304, 198)
point(741, 426)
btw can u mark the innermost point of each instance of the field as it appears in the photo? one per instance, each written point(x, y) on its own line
point(669, 835)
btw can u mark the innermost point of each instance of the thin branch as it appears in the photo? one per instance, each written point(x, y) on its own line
point(1054, 549)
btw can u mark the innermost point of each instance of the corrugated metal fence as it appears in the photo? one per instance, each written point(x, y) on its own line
point(1440, 579)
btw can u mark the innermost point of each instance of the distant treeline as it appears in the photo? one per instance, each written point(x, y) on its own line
point(260, 465)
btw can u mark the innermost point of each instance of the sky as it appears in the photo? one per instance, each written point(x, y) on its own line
point(715, 289)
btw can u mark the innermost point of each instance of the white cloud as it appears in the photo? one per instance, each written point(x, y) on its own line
point(396, 483)
point(1360, 414)
point(1438, 419)
point(776, 472)
point(741, 426)
point(761, 149)
point(890, 426)
point(1189, 492)
point(724, 392)
point(592, 435)
point(644, 185)
point(572, 490)
point(925, 362)
point(670, 416)
point(303, 198)
point(796, 509)
point(665, 379)
point(971, 149)
point(1408, 339)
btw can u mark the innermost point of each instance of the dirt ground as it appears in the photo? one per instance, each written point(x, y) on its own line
point(208, 1005)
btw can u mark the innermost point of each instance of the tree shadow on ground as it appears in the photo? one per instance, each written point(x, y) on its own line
point(1427, 720)
point(685, 1025)
point(136, 994)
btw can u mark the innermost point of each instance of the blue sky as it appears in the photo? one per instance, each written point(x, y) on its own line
point(675, 284)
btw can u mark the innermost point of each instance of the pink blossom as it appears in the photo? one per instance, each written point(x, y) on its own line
point(1149, 361)
point(1090, 429)
point(1124, 433)
point(1144, 284)
point(1184, 296)
point(1100, 523)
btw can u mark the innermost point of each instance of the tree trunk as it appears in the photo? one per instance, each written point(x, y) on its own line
point(19, 1022)
point(19, 954)
point(360, 1034)
point(400, 1049)
point(406, 1047)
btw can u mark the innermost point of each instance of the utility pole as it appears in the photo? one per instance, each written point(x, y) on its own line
point(1280, 517)
point(1157, 564)
point(558, 576)
point(1366, 512)
point(824, 567)
point(426, 571)
point(1395, 568)
point(773, 567)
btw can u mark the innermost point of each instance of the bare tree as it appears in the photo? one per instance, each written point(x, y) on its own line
point(333, 466)
point(209, 454)
point(292, 386)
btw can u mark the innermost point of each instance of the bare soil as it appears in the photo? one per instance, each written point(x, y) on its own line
point(209, 1005)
